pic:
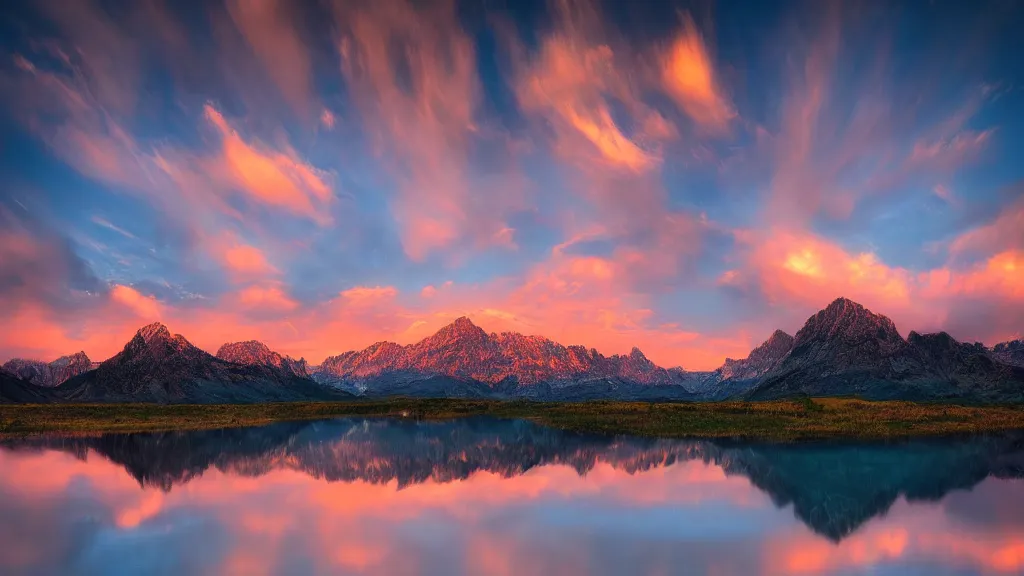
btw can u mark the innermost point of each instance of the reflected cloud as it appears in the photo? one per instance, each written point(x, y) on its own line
point(485, 495)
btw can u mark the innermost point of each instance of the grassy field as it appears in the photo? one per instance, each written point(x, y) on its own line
point(778, 420)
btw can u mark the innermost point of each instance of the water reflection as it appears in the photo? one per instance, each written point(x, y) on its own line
point(496, 496)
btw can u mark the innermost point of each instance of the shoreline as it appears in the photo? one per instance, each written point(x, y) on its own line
point(784, 420)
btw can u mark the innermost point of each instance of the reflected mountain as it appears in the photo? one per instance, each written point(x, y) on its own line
point(833, 488)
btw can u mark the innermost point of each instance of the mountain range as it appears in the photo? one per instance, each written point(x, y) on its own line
point(844, 349)
point(157, 366)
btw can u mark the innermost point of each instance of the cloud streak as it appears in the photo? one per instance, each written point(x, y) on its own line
point(334, 174)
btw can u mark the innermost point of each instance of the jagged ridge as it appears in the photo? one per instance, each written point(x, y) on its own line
point(256, 353)
point(464, 350)
point(50, 374)
point(1011, 352)
point(156, 366)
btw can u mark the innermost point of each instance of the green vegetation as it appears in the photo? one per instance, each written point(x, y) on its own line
point(778, 420)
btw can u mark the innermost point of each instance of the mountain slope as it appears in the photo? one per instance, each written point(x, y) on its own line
point(761, 360)
point(843, 349)
point(156, 366)
point(846, 349)
point(958, 369)
point(52, 374)
point(1011, 352)
point(18, 390)
point(736, 377)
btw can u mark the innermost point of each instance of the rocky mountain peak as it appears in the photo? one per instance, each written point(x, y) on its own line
point(154, 331)
point(463, 325)
point(844, 302)
point(67, 367)
point(256, 353)
point(1009, 346)
point(34, 371)
point(940, 343)
point(636, 360)
point(79, 357)
point(847, 321)
point(461, 330)
point(936, 337)
point(248, 347)
point(383, 347)
point(156, 339)
point(1011, 352)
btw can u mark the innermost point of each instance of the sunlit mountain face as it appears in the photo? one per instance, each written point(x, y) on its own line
point(685, 178)
point(487, 496)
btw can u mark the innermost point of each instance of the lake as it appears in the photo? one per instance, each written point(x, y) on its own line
point(486, 496)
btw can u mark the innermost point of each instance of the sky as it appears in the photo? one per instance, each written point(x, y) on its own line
point(680, 177)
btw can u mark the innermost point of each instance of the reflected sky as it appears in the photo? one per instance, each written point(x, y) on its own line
point(482, 496)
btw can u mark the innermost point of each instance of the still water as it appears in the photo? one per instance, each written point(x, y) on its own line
point(484, 496)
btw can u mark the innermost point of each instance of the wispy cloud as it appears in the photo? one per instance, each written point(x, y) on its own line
point(100, 221)
point(330, 174)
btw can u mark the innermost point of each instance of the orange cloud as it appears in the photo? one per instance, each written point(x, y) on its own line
point(907, 533)
point(582, 71)
point(267, 298)
point(599, 128)
point(804, 272)
point(274, 178)
point(146, 307)
point(567, 83)
point(689, 77)
point(1001, 276)
point(244, 259)
point(361, 295)
point(816, 556)
point(800, 267)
